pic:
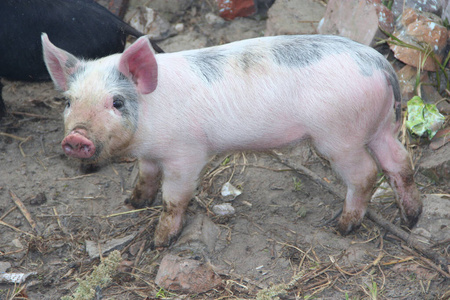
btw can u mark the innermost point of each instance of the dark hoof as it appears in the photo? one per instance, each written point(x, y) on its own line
point(135, 204)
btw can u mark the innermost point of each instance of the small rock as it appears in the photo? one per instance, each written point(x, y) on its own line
point(357, 19)
point(4, 266)
point(39, 199)
point(186, 275)
point(125, 266)
point(147, 21)
point(17, 243)
point(224, 209)
point(15, 277)
point(92, 248)
point(231, 9)
point(179, 27)
point(212, 19)
point(229, 192)
point(416, 28)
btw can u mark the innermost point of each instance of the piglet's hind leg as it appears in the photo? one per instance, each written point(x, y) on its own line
point(358, 169)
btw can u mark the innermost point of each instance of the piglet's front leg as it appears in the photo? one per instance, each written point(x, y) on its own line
point(147, 186)
point(179, 183)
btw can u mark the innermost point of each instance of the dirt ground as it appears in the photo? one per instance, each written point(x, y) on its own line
point(274, 235)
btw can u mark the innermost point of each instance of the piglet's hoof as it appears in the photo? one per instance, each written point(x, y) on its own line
point(133, 204)
point(168, 229)
point(349, 222)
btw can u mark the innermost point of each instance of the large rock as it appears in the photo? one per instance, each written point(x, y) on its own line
point(231, 9)
point(294, 17)
point(432, 6)
point(186, 275)
point(434, 223)
point(420, 28)
point(358, 20)
point(198, 236)
point(436, 165)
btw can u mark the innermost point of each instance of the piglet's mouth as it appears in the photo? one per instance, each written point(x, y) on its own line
point(77, 145)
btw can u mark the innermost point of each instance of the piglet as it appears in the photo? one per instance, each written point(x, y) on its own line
point(174, 111)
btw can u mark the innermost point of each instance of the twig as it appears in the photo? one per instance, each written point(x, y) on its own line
point(23, 209)
point(57, 217)
point(154, 208)
point(8, 212)
point(13, 136)
point(73, 178)
point(412, 241)
point(23, 142)
point(138, 256)
point(20, 113)
point(378, 219)
point(16, 229)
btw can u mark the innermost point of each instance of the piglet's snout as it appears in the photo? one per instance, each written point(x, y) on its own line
point(77, 145)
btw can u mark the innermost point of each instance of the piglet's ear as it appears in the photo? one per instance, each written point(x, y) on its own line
point(60, 64)
point(139, 63)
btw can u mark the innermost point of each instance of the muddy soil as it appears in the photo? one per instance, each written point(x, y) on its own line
point(275, 234)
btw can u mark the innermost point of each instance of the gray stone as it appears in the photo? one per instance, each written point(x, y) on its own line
point(435, 219)
point(198, 235)
point(92, 248)
point(224, 209)
point(294, 17)
point(4, 266)
point(213, 19)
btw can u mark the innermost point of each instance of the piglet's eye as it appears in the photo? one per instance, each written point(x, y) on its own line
point(67, 102)
point(118, 103)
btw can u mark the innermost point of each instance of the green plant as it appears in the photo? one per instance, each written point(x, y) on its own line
point(162, 293)
point(372, 290)
point(297, 184)
point(99, 278)
point(301, 212)
point(388, 3)
point(225, 161)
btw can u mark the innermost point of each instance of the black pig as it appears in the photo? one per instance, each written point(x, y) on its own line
point(82, 27)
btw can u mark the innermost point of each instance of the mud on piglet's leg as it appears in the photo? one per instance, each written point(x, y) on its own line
point(146, 189)
point(180, 179)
